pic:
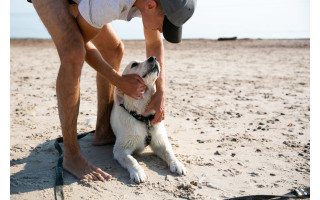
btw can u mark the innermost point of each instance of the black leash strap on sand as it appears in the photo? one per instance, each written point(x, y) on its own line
point(58, 189)
point(295, 194)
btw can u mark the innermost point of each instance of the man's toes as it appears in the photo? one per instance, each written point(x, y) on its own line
point(87, 177)
point(100, 177)
point(109, 177)
point(104, 174)
point(93, 177)
point(97, 176)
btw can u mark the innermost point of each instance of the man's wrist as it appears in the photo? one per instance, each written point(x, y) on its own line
point(115, 78)
point(161, 91)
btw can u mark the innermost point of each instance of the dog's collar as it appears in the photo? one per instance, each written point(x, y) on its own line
point(145, 119)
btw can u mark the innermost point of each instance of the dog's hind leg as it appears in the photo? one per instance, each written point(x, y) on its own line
point(124, 157)
point(162, 147)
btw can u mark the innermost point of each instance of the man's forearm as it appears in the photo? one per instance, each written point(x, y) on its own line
point(96, 61)
point(158, 52)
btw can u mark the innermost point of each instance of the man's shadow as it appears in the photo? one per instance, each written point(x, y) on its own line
point(38, 169)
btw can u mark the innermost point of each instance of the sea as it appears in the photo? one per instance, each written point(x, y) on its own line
point(213, 19)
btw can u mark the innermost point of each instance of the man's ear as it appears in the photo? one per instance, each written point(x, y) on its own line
point(150, 4)
point(118, 96)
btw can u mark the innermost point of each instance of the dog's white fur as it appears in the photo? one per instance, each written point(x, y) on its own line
point(131, 133)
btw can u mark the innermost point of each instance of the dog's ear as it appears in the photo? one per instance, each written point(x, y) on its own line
point(118, 96)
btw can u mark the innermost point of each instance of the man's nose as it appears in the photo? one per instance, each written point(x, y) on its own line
point(152, 59)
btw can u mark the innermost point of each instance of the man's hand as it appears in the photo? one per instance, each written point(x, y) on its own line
point(157, 103)
point(132, 85)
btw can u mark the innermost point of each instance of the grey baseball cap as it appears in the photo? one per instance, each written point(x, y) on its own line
point(177, 12)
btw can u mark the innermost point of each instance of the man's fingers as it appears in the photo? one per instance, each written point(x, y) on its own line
point(157, 118)
point(147, 110)
point(135, 86)
point(142, 88)
point(140, 79)
point(137, 77)
point(140, 92)
point(137, 97)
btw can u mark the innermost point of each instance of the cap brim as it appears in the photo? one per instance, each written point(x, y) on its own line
point(171, 32)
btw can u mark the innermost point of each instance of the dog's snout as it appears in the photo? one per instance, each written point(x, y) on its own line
point(151, 59)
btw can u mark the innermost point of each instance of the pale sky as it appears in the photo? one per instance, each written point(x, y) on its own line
point(216, 18)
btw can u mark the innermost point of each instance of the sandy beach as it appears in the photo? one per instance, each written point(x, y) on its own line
point(237, 116)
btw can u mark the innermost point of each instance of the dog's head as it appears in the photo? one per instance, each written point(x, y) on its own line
point(148, 70)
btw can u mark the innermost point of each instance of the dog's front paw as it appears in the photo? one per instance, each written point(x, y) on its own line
point(177, 167)
point(138, 176)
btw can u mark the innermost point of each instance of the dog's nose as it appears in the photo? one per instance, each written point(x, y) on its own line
point(151, 59)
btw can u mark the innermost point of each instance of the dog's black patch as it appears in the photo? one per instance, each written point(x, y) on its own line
point(135, 64)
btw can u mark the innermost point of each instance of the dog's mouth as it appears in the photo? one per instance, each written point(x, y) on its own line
point(153, 67)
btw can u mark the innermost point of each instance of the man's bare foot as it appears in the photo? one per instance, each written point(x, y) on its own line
point(78, 166)
point(102, 137)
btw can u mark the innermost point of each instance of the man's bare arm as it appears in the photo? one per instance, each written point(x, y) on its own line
point(130, 85)
point(154, 47)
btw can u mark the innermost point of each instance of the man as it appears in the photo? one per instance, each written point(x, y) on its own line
point(82, 31)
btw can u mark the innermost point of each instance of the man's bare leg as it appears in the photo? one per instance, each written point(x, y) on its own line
point(112, 50)
point(57, 18)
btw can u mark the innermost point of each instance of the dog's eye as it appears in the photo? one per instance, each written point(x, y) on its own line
point(135, 64)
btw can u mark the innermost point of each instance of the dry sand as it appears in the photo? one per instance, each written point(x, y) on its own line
point(237, 114)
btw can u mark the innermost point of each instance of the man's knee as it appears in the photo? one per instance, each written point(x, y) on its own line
point(72, 59)
point(113, 54)
point(117, 50)
point(120, 49)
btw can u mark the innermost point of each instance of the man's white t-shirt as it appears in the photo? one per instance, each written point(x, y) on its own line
point(100, 12)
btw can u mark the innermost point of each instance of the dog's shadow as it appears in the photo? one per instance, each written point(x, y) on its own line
point(37, 170)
